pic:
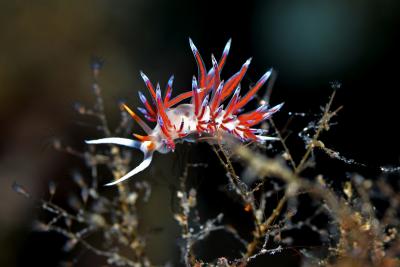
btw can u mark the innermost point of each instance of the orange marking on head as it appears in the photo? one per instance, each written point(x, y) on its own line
point(151, 146)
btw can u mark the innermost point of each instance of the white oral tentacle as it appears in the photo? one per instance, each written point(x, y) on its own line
point(115, 141)
point(148, 156)
point(143, 165)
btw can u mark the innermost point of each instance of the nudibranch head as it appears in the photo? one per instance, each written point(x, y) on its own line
point(207, 114)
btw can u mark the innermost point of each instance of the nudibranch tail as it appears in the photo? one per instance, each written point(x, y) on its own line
point(146, 149)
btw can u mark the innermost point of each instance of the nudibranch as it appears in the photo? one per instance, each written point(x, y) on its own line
point(209, 112)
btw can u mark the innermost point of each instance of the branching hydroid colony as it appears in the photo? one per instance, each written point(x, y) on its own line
point(205, 115)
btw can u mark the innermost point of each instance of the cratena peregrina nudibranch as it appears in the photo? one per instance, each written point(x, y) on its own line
point(209, 112)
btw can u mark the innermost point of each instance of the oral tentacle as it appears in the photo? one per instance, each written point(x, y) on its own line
point(148, 156)
point(116, 141)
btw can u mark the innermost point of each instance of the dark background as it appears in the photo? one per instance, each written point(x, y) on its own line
point(44, 69)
